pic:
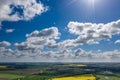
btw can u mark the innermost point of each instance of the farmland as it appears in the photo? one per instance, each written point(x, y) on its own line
point(9, 76)
point(81, 77)
point(60, 71)
point(3, 67)
point(77, 65)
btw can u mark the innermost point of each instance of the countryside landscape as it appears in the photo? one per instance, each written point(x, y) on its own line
point(59, 39)
point(59, 71)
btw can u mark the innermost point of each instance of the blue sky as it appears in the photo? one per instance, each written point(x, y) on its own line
point(66, 21)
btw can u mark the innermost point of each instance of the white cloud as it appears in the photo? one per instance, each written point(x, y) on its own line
point(23, 46)
point(78, 55)
point(4, 44)
point(27, 9)
point(92, 32)
point(9, 30)
point(3, 51)
point(51, 33)
point(88, 33)
point(39, 39)
point(117, 41)
point(43, 45)
point(62, 45)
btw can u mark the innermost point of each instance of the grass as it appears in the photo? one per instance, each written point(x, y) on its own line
point(13, 76)
point(10, 76)
point(103, 77)
point(35, 77)
point(81, 77)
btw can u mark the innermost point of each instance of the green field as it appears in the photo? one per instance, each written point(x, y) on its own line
point(13, 76)
point(103, 77)
point(10, 76)
point(49, 71)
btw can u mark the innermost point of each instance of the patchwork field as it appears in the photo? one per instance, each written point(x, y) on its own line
point(103, 77)
point(9, 76)
point(81, 77)
point(77, 65)
point(3, 67)
point(60, 71)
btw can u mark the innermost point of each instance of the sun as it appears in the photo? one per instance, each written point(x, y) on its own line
point(91, 1)
point(92, 4)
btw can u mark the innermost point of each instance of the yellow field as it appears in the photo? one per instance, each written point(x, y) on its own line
point(3, 67)
point(77, 65)
point(81, 77)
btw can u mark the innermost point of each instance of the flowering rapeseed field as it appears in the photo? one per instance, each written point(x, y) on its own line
point(81, 77)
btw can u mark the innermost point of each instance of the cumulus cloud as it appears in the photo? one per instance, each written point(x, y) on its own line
point(4, 52)
point(15, 10)
point(117, 41)
point(43, 44)
point(62, 45)
point(9, 30)
point(51, 33)
point(23, 46)
point(88, 33)
point(38, 39)
point(92, 33)
point(78, 55)
point(4, 44)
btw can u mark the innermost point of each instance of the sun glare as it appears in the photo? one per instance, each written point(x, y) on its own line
point(92, 2)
